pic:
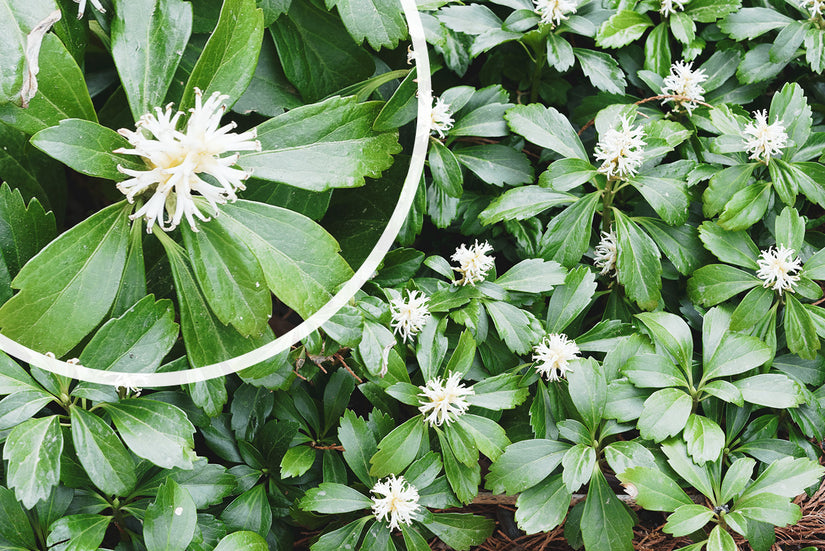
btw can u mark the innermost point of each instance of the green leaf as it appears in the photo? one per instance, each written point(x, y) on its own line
point(460, 531)
point(135, 342)
point(623, 454)
point(570, 299)
point(704, 438)
point(463, 473)
point(716, 283)
point(16, 529)
point(445, 170)
point(638, 267)
point(243, 541)
point(297, 461)
point(24, 229)
point(156, 431)
point(488, 435)
point(568, 233)
point(771, 390)
point(230, 56)
point(736, 354)
point(683, 28)
point(61, 92)
point(33, 450)
point(577, 466)
point(653, 371)
point(521, 203)
point(101, 453)
point(787, 477)
point(622, 28)
point(398, 448)
point(317, 53)
point(800, 330)
point(546, 127)
point(665, 414)
point(657, 50)
point(757, 65)
point(678, 244)
point(672, 333)
point(736, 248)
point(496, 164)
point(723, 185)
point(746, 207)
point(774, 509)
point(148, 39)
point(720, 540)
point(602, 70)
point(668, 197)
point(687, 519)
point(657, 491)
point(559, 53)
point(532, 275)
point(289, 248)
point(588, 391)
point(380, 22)
point(21, 405)
point(677, 457)
point(329, 497)
point(708, 11)
point(790, 229)
point(525, 464)
point(230, 278)
point(518, 328)
point(322, 146)
point(737, 478)
point(605, 523)
point(75, 277)
point(544, 506)
point(249, 511)
point(749, 23)
point(87, 147)
point(170, 520)
point(566, 174)
point(83, 531)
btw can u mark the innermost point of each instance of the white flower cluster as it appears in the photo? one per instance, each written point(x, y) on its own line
point(81, 8)
point(553, 354)
point(473, 262)
point(606, 253)
point(410, 316)
point(621, 151)
point(763, 140)
point(443, 401)
point(175, 160)
point(441, 119)
point(398, 501)
point(684, 81)
point(668, 7)
point(777, 269)
point(553, 12)
point(815, 7)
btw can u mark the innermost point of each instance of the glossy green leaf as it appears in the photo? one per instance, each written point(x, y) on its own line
point(532, 275)
point(154, 430)
point(602, 70)
point(735, 248)
point(75, 277)
point(622, 28)
point(687, 519)
point(800, 330)
point(577, 466)
point(445, 170)
point(716, 283)
point(398, 448)
point(606, 524)
point(704, 438)
point(334, 498)
point(33, 450)
point(543, 507)
point(546, 127)
point(637, 267)
point(521, 203)
point(148, 39)
point(243, 541)
point(653, 371)
point(101, 453)
point(525, 464)
point(170, 520)
point(230, 56)
point(771, 390)
point(460, 530)
point(672, 333)
point(326, 145)
point(249, 511)
point(736, 354)
point(16, 530)
point(496, 164)
point(568, 233)
point(380, 22)
point(657, 491)
point(297, 461)
point(86, 531)
point(665, 414)
point(786, 477)
point(668, 197)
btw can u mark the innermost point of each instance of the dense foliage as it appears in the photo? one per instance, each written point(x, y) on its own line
point(610, 272)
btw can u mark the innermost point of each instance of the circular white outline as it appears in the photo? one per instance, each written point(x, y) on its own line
point(367, 269)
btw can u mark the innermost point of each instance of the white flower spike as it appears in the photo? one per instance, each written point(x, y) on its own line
point(81, 8)
point(684, 81)
point(553, 12)
point(815, 7)
point(175, 160)
point(553, 354)
point(441, 119)
point(473, 262)
point(410, 316)
point(777, 269)
point(763, 140)
point(398, 501)
point(444, 401)
point(606, 253)
point(621, 151)
point(669, 7)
